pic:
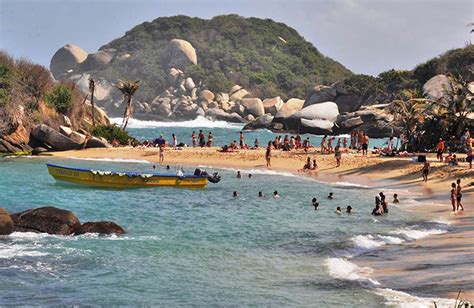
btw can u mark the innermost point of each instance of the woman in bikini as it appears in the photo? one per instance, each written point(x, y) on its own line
point(453, 196)
point(268, 154)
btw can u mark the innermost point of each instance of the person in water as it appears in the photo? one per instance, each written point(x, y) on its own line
point(250, 175)
point(395, 198)
point(239, 175)
point(167, 167)
point(338, 210)
point(276, 195)
point(377, 211)
point(260, 194)
point(235, 194)
point(453, 196)
point(315, 203)
point(426, 171)
point(459, 195)
point(331, 196)
point(384, 203)
point(349, 209)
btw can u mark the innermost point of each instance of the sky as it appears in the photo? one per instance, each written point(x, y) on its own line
point(366, 36)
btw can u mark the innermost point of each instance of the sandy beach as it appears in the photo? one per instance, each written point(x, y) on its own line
point(445, 260)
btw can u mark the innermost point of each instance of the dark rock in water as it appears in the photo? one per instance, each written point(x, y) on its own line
point(95, 142)
point(39, 150)
point(101, 227)
point(46, 220)
point(6, 223)
point(55, 139)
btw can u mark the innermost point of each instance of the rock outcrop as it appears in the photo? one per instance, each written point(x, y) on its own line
point(181, 54)
point(272, 105)
point(322, 111)
point(6, 223)
point(253, 106)
point(46, 220)
point(320, 94)
point(436, 87)
point(290, 107)
point(101, 227)
point(67, 58)
point(53, 138)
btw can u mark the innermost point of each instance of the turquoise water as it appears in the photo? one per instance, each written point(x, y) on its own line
point(196, 247)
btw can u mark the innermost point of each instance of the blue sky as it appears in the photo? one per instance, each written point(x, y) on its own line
point(367, 36)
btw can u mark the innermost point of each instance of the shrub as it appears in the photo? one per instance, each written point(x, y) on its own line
point(111, 132)
point(60, 98)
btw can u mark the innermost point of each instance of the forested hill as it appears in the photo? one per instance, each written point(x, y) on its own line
point(266, 57)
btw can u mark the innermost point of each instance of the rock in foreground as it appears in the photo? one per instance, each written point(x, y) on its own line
point(101, 227)
point(6, 223)
point(46, 220)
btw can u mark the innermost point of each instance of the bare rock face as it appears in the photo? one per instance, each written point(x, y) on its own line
point(101, 227)
point(6, 223)
point(237, 93)
point(46, 220)
point(320, 94)
point(206, 95)
point(436, 87)
point(290, 107)
point(181, 54)
point(65, 59)
point(254, 106)
point(96, 60)
point(272, 105)
point(324, 111)
point(55, 139)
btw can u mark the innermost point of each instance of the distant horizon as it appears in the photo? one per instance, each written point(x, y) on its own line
point(339, 32)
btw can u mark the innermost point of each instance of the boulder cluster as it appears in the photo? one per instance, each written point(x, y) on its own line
point(52, 220)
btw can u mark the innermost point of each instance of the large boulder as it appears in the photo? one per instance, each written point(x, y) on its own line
point(77, 137)
point(96, 60)
point(181, 54)
point(67, 58)
point(348, 103)
point(46, 220)
point(206, 95)
point(65, 130)
point(237, 93)
point(101, 227)
point(189, 84)
point(272, 105)
point(95, 142)
point(53, 138)
point(103, 89)
point(316, 126)
point(324, 111)
point(173, 76)
point(6, 223)
point(436, 87)
point(218, 114)
point(320, 94)
point(264, 121)
point(290, 107)
point(253, 106)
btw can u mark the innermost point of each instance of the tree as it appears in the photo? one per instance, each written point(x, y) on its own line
point(409, 114)
point(92, 89)
point(128, 89)
point(61, 98)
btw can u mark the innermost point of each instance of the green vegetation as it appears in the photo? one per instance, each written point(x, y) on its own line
point(113, 132)
point(264, 56)
point(60, 99)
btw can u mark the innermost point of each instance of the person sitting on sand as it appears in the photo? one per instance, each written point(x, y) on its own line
point(338, 210)
point(260, 194)
point(315, 164)
point(395, 198)
point(233, 145)
point(276, 195)
point(235, 194)
point(426, 171)
point(239, 175)
point(453, 196)
point(306, 144)
point(315, 203)
point(459, 195)
point(453, 161)
point(349, 209)
point(307, 165)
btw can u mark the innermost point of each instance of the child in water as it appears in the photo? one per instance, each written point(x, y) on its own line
point(235, 194)
point(338, 210)
point(276, 195)
point(315, 203)
point(260, 194)
point(349, 209)
point(395, 198)
point(331, 196)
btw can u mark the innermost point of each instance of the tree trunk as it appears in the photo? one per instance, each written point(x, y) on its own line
point(93, 107)
point(128, 112)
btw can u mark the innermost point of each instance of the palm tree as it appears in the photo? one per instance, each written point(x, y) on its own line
point(128, 88)
point(92, 89)
point(409, 114)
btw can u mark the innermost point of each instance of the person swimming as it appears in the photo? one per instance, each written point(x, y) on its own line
point(167, 167)
point(315, 203)
point(260, 194)
point(349, 209)
point(377, 211)
point(276, 195)
point(383, 203)
point(154, 167)
point(331, 196)
point(235, 194)
point(395, 198)
point(338, 210)
point(250, 175)
point(239, 175)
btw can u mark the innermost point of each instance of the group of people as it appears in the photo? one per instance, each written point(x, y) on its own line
point(451, 159)
point(456, 196)
point(200, 139)
point(381, 204)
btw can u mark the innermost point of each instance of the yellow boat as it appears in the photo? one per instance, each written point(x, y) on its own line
point(126, 179)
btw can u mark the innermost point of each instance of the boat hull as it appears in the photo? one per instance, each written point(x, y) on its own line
point(122, 180)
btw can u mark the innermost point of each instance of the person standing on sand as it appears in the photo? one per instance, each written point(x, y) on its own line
point(453, 196)
point(162, 153)
point(440, 149)
point(242, 140)
point(194, 138)
point(470, 153)
point(256, 143)
point(330, 140)
point(323, 145)
point(337, 155)
point(268, 154)
point(365, 143)
point(202, 141)
point(426, 171)
point(209, 139)
point(175, 141)
point(459, 195)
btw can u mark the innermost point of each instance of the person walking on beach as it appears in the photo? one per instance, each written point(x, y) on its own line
point(202, 141)
point(337, 155)
point(440, 149)
point(268, 154)
point(426, 171)
point(194, 138)
point(459, 195)
point(453, 196)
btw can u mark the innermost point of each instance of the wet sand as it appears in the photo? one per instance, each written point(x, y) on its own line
point(438, 265)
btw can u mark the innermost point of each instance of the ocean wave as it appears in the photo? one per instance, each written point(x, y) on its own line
point(14, 251)
point(349, 184)
point(115, 160)
point(198, 122)
point(341, 268)
point(253, 171)
point(405, 300)
point(413, 234)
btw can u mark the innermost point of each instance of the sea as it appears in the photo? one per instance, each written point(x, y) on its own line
point(203, 247)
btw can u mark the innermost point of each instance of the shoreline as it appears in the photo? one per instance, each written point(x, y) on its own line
point(417, 262)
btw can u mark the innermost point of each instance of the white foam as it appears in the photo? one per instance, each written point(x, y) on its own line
point(117, 160)
point(405, 300)
point(253, 171)
point(12, 251)
point(349, 184)
point(340, 268)
point(417, 234)
point(200, 121)
point(369, 242)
